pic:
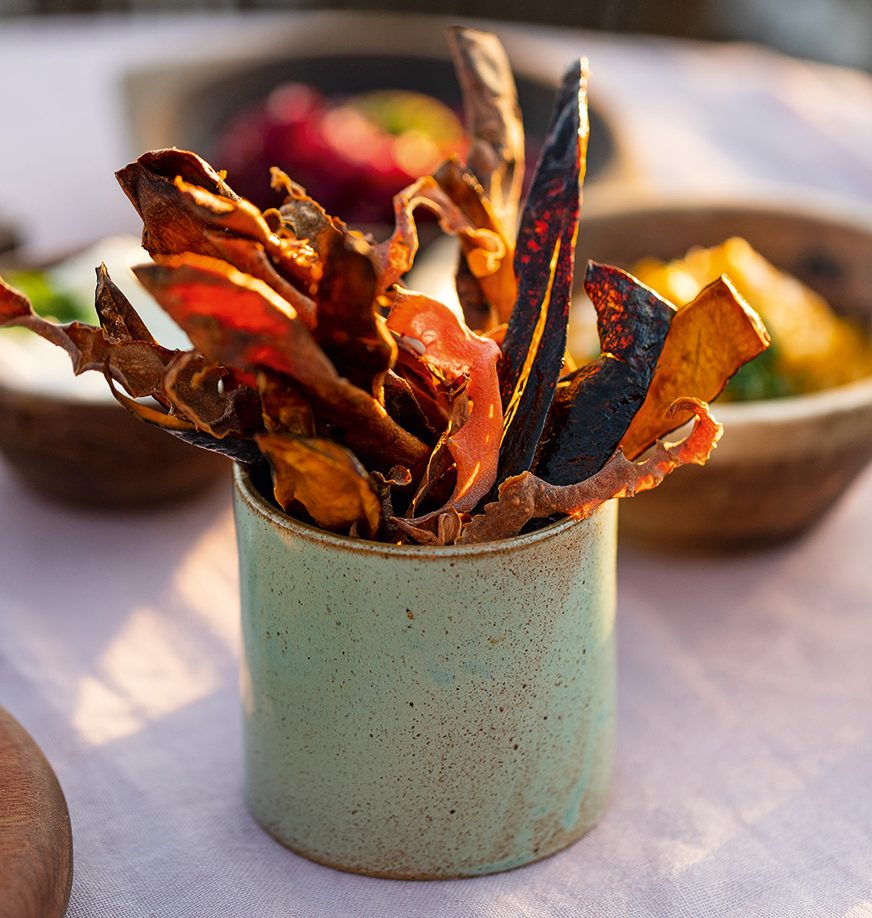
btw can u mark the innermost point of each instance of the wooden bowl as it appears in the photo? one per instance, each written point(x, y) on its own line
point(782, 463)
point(94, 453)
point(36, 842)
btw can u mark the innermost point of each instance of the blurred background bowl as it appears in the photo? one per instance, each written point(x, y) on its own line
point(191, 105)
point(782, 463)
point(93, 453)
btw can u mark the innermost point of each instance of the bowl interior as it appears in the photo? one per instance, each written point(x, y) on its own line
point(828, 252)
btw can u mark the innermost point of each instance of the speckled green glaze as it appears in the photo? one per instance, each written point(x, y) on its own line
point(417, 712)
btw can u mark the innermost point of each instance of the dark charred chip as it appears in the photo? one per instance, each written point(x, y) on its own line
point(594, 405)
point(398, 478)
point(244, 451)
point(535, 340)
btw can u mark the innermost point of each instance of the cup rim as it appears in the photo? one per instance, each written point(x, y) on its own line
point(257, 504)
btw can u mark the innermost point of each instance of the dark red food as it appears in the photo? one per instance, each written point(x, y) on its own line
point(350, 153)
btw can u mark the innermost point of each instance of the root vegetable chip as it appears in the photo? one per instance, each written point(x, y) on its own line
point(180, 216)
point(493, 119)
point(486, 253)
point(526, 497)
point(170, 225)
point(349, 329)
point(708, 341)
point(236, 320)
point(327, 479)
point(593, 406)
point(457, 352)
point(455, 197)
point(535, 341)
point(496, 159)
point(136, 365)
point(251, 258)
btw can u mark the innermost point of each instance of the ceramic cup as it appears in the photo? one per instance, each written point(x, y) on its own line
point(426, 712)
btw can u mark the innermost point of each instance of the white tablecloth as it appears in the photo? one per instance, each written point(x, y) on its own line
point(744, 759)
point(744, 765)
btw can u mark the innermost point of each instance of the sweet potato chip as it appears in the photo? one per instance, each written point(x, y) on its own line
point(119, 320)
point(350, 330)
point(493, 119)
point(485, 248)
point(169, 224)
point(239, 220)
point(182, 214)
point(525, 497)
point(709, 340)
point(251, 258)
point(14, 306)
point(535, 341)
point(489, 269)
point(456, 351)
point(326, 479)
